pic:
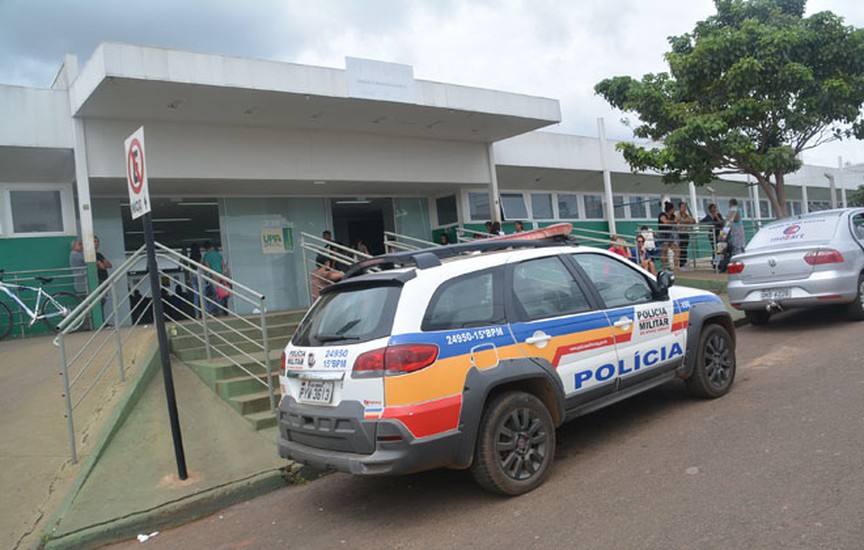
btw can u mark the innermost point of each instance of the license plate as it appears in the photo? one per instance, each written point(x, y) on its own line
point(316, 391)
point(776, 294)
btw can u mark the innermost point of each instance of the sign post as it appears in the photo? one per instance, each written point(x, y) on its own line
point(139, 202)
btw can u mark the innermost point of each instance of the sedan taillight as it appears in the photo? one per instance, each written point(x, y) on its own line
point(734, 268)
point(820, 257)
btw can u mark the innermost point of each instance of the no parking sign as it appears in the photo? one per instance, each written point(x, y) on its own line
point(136, 174)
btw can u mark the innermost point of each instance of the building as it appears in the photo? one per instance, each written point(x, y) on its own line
point(238, 148)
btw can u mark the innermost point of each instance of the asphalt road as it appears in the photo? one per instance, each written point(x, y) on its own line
point(777, 463)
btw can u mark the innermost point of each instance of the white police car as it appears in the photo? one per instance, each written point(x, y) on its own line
point(470, 355)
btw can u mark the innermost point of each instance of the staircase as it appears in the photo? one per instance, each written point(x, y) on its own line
point(237, 369)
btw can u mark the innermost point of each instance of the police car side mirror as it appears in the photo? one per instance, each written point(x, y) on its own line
point(665, 279)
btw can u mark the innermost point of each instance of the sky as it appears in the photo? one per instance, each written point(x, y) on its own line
point(550, 48)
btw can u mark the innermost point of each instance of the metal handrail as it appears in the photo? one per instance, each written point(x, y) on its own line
point(83, 367)
point(405, 242)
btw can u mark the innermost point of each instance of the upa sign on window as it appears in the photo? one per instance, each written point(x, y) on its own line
point(136, 174)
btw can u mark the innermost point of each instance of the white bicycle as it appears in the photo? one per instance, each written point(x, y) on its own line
point(51, 309)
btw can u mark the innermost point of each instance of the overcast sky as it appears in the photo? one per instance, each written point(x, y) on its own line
point(552, 48)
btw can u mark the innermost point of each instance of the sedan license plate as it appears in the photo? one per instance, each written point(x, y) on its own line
point(316, 391)
point(776, 294)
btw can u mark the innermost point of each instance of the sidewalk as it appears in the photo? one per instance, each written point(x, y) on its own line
point(127, 483)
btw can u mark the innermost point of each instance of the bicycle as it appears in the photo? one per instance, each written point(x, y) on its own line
point(51, 309)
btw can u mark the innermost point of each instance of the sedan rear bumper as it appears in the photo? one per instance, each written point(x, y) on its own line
point(821, 288)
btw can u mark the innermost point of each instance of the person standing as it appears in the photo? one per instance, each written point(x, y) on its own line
point(685, 220)
point(518, 227)
point(212, 259)
point(195, 256)
point(736, 232)
point(715, 219)
point(79, 270)
point(102, 263)
point(667, 235)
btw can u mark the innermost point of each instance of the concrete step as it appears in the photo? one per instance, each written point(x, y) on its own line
point(251, 402)
point(272, 319)
point(243, 385)
point(221, 368)
point(221, 334)
point(262, 420)
point(200, 352)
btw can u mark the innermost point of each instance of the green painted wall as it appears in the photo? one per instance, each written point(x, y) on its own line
point(48, 255)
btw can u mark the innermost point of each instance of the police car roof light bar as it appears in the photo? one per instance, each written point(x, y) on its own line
point(431, 257)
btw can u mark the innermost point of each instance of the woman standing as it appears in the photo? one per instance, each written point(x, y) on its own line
point(667, 233)
point(736, 233)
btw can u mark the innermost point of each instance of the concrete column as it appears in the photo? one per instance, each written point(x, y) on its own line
point(694, 205)
point(494, 195)
point(607, 177)
point(804, 208)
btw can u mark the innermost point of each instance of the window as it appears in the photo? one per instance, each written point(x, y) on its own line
point(618, 205)
point(350, 316)
point(568, 206)
point(618, 283)
point(639, 208)
point(764, 209)
point(793, 208)
point(594, 207)
point(817, 206)
point(467, 301)
point(479, 206)
point(514, 206)
point(544, 288)
point(541, 206)
point(446, 209)
point(36, 211)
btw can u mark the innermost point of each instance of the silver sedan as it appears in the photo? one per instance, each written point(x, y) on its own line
point(803, 261)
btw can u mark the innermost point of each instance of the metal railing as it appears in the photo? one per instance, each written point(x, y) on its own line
point(316, 251)
point(193, 309)
point(394, 242)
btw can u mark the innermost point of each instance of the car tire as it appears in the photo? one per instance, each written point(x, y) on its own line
point(515, 445)
point(855, 309)
point(757, 316)
point(714, 370)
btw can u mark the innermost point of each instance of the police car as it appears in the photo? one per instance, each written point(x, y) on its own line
point(470, 356)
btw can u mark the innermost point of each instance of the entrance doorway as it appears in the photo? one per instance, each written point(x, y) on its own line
point(177, 223)
point(358, 219)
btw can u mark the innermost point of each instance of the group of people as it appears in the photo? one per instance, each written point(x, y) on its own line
point(669, 246)
point(216, 288)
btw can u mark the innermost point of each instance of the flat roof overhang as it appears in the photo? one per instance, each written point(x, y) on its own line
point(142, 83)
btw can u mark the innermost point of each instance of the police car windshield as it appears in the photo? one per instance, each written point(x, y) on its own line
point(354, 314)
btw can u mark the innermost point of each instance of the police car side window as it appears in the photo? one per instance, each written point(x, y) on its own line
point(618, 283)
point(467, 301)
point(858, 224)
point(544, 288)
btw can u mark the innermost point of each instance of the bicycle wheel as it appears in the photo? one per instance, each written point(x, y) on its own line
point(6, 320)
point(57, 306)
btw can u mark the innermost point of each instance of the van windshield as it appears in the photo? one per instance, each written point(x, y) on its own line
point(349, 316)
point(791, 232)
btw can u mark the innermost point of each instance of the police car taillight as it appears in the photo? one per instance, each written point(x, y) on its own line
point(282, 365)
point(735, 267)
point(394, 360)
point(827, 256)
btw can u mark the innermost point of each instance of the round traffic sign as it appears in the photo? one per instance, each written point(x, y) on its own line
point(135, 166)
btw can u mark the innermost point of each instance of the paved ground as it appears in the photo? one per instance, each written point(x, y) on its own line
point(126, 484)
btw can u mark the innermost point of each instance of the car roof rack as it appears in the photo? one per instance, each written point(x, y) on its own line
point(431, 257)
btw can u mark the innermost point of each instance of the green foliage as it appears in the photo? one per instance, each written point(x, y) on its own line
point(747, 91)
point(855, 198)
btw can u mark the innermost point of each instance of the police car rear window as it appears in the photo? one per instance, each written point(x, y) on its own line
point(357, 314)
point(794, 232)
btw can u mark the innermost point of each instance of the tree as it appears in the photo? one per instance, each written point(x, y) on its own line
point(747, 91)
point(856, 197)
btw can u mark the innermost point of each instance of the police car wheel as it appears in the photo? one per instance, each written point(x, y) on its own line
point(515, 445)
point(714, 370)
point(856, 308)
point(757, 317)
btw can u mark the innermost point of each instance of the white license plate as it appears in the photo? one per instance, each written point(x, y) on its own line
point(776, 294)
point(316, 391)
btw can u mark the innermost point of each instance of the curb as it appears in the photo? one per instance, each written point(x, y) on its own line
point(172, 514)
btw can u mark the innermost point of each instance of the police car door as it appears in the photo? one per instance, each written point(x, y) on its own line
point(648, 340)
point(554, 319)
